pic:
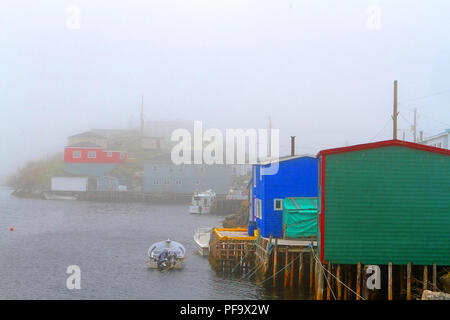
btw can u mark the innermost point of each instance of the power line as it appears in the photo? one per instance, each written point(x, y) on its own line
point(384, 127)
point(405, 118)
point(424, 97)
point(437, 121)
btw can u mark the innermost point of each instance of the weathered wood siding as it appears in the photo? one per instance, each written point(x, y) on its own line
point(389, 204)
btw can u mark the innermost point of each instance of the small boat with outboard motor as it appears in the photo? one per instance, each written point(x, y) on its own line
point(165, 255)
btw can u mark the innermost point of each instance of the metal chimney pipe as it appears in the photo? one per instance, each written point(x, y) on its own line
point(292, 146)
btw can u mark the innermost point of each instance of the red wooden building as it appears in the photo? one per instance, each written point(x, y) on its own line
point(88, 152)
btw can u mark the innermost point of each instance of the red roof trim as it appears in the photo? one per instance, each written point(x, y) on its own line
point(386, 143)
point(322, 210)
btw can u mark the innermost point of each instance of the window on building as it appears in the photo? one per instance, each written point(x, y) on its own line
point(278, 204)
point(179, 182)
point(197, 182)
point(92, 154)
point(439, 145)
point(109, 154)
point(258, 209)
point(154, 168)
point(254, 177)
point(76, 154)
point(155, 182)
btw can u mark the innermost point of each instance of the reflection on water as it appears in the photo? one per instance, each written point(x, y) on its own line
point(109, 242)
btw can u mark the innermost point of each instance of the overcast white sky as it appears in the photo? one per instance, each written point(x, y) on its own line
point(314, 66)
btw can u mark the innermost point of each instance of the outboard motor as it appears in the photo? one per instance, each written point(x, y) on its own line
point(163, 260)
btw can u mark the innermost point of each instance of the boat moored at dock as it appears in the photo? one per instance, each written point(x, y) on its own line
point(202, 202)
point(59, 196)
point(201, 238)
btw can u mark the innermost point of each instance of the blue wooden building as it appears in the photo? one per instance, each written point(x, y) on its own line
point(296, 177)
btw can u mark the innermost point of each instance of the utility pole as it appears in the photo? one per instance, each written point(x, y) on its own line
point(292, 146)
point(395, 115)
point(142, 117)
point(270, 138)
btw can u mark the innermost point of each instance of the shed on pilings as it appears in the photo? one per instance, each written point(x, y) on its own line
point(385, 202)
point(274, 180)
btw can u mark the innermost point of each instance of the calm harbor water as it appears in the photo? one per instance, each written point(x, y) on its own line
point(109, 242)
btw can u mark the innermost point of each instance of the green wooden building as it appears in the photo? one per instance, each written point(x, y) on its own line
point(384, 202)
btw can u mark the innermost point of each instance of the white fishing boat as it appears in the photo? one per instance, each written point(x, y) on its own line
point(201, 238)
point(55, 196)
point(165, 255)
point(202, 202)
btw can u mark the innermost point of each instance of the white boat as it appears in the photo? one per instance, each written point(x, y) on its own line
point(201, 238)
point(165, 255)
point(202, 202)
point(54, 196)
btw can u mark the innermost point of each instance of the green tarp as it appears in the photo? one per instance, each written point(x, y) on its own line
point(300, 217)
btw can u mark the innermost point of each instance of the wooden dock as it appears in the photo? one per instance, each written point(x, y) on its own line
point(294, 263)
point(285, 262)
point(131, 196)
point(232, 251)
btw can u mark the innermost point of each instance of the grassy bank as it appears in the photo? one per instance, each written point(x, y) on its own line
point(35, 176)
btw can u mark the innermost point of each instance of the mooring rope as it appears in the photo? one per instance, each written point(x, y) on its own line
point(280, 270)
point(248, 252)
point(253, 271)
point(329, 286)
point(324, 275)
point(242, 258)
point(321, 265)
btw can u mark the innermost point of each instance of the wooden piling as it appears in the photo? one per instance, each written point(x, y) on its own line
point(358, 280)
point(346, 290)
point(434, 277)
point(311, 272)
point(286, 268)
point(275, 260)
point(338, 282)
point(291, 271)
point(365, 289)
point(402, 279)
point(408, 281)
point(300, 270)
point(316, 267)
point(390, 281)
point(319, 283)
point(425, 277)
point(329, 282)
